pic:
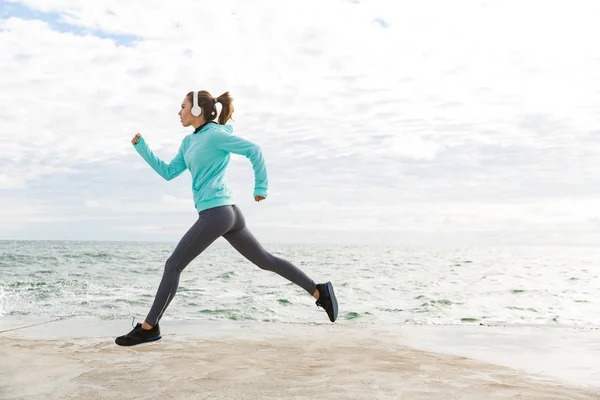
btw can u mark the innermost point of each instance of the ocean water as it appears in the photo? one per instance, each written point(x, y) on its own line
point(380, 285)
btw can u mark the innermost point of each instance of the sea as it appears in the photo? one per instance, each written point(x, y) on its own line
point(389, 285)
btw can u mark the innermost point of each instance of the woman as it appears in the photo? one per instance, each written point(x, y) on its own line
point(206, 153)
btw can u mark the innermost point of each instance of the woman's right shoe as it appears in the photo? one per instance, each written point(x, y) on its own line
point(327, 300)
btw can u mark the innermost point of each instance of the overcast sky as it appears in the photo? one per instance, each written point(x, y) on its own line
point(400, 122)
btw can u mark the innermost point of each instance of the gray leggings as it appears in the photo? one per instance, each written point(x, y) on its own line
point(226, 221)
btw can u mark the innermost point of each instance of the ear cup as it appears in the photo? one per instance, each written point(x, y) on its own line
point(196, 109)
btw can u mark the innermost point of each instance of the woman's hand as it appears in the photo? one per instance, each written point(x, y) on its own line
point(258, 198)
point(136, 138)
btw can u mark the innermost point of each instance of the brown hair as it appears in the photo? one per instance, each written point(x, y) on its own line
point(209, 106)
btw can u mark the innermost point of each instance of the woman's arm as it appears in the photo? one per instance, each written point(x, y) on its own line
point(167, 171)
point(251, 151)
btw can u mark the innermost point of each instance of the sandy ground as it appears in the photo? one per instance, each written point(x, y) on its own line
point(263, 361)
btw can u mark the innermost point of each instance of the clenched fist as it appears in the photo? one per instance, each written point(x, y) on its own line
point(136, 138)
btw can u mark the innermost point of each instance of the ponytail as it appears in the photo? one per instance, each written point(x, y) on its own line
point(227, 110)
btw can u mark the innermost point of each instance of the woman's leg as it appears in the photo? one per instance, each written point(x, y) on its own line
point(243, 241)
point(246, 244)
point(211, 224)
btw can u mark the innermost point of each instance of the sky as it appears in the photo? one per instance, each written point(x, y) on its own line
point(381, 122)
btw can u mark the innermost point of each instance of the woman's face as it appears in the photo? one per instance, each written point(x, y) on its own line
point(185, 114)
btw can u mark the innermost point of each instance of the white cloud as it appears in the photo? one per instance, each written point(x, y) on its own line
point(8, 182)
point(449, 116)
point(412, 147)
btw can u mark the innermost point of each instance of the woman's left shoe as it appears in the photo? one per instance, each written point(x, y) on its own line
point(139, 335)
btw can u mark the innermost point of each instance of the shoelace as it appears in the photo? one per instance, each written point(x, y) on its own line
point(134, 325)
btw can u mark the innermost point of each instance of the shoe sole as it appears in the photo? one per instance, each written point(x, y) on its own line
point(333, 300)
point(152, 339)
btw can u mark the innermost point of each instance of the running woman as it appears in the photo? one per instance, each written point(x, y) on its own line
point(206, 153)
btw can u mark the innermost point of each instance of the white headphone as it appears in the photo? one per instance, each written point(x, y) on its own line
point(196, 109)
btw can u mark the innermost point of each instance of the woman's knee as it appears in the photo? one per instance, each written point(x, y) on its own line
point(266, 261)
point(173, 264)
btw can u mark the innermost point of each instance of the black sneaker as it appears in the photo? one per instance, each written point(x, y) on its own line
point(139, 335)
point(327, 300)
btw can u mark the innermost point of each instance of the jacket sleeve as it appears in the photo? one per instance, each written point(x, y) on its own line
point(237, 145)
point(167, 171)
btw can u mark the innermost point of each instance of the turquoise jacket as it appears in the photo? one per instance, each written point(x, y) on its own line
point(206, 153)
